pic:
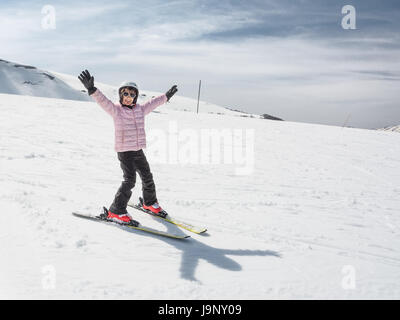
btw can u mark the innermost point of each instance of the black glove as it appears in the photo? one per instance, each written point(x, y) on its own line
point(88, 82)
point(171, 92)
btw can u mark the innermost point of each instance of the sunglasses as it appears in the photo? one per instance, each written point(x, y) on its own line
point(129, 94)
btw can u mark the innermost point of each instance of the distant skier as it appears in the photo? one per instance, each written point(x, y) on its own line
point(130, 139)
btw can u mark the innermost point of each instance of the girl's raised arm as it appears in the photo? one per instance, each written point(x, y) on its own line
point(154, 103)
point(96, 94)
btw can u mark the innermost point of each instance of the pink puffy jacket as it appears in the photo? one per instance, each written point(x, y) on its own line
point(128, 123)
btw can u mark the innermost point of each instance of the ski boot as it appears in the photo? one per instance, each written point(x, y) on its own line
point(154, 209)
point(124, 219)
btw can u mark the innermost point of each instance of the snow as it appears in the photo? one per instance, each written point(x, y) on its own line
point(392, 128)
point(316, 216)
point(21, 79)
point(182, 104)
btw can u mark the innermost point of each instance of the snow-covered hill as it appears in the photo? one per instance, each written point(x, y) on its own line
point(179, 103)
point(28, 80)
point(314, 215)
point(393, 128)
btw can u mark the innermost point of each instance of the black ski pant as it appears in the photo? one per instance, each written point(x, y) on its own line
point(132, 162)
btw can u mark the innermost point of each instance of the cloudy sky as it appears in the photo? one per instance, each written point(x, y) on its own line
point(291, 59)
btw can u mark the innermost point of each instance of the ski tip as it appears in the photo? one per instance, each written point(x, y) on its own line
point(77, 214)
point(181, 237)
point(204, 231)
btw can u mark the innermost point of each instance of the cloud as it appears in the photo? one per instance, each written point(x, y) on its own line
point(292, 54)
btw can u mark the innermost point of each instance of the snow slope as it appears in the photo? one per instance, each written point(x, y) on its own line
point(28, 80)
point(22, 79)
point(179, 103)
point(393, 129)
point(316, 216)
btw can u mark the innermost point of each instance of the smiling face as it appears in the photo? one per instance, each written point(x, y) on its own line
point(128, 96)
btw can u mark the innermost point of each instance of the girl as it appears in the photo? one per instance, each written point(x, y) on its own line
point(130, 139)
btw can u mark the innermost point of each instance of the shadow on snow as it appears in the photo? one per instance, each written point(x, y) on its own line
point(194, 250)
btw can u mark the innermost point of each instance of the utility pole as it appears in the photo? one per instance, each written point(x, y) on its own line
point(347, 119)
point(198, 97)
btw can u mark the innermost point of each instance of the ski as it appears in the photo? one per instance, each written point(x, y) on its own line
point(166, 217)
point(139, 227)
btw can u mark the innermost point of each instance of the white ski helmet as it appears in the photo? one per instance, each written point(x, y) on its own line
point(128, 84)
